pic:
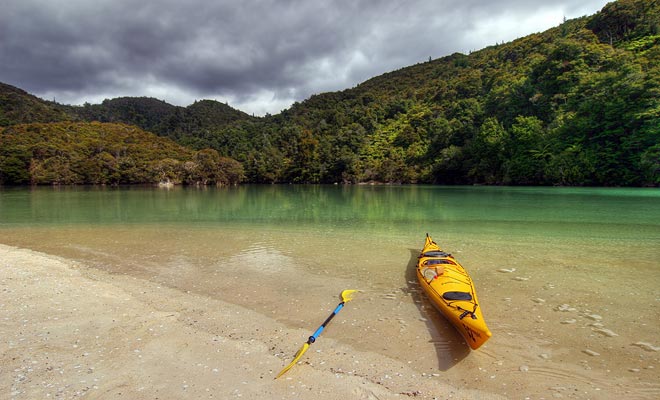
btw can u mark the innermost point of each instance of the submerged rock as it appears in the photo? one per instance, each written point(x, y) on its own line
point(606, 332)
point(505, 270)
point(646, 346)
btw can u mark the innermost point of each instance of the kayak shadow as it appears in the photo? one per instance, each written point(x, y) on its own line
point(449, 344)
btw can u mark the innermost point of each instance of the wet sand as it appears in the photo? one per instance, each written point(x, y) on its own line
point(93, 314)
point(70, 331)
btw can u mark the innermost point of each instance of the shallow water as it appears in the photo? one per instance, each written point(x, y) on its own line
point(568, 278)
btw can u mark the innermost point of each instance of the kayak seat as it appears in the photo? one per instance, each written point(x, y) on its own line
point(457, 296)
point(436, 261)
point(436, 254)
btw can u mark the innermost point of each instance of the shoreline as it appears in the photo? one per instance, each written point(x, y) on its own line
point(96, 326)
point(72, 331)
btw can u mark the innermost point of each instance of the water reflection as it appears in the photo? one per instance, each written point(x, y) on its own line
point(552, 212)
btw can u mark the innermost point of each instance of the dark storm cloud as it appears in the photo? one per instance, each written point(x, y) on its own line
point(259, 55)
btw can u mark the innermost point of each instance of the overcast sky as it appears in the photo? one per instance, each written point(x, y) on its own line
point(259, 56)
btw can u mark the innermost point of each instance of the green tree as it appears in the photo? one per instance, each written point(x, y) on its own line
point(487, 151)
point(522, 168)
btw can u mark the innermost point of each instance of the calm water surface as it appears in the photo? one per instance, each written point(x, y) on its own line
point(562, 273)
point(603, 213)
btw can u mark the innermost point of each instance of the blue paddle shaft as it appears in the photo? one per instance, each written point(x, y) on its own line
point(316, 334)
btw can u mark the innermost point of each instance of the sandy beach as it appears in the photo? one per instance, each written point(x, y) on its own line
point(73, 330)
point(70, 331)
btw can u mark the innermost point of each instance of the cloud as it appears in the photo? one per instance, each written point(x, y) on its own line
point(258, 55)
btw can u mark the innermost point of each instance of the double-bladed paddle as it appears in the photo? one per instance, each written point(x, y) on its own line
point(346, 296)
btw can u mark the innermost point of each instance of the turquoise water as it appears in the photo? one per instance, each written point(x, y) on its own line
point(590, 227)
point(603, 213)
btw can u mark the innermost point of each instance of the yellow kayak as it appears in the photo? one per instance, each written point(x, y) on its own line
point(450, 289)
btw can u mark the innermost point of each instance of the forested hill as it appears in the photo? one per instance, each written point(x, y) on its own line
point(105, 153)
point(18, 106)
point(578, 104)
point(179, 123)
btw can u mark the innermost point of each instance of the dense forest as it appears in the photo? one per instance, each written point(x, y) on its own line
point(578, 104)
point(105, 153)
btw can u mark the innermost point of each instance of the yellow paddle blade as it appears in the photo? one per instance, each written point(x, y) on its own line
point(347, 295)
point(299, 354)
